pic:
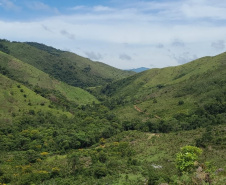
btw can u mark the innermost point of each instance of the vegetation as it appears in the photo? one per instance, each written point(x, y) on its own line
point(155, 127)
point(64, 66)
point(190, 95)
point(41, 82)
point(187, 158)
point(130, 157)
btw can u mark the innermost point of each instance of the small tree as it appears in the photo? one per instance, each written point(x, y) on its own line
point(187, 157)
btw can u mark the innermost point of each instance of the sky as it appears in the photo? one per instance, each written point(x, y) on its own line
point(122, 33)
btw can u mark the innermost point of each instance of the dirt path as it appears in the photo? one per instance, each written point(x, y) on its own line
point(150, 135)
point(139, 110)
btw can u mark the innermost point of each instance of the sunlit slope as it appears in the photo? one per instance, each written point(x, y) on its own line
point(35, 78)
point(65, 66)
point(16, 99)
point(168, 91)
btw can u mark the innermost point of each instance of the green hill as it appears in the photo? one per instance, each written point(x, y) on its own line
point(166, 93)
point(42, 82)
point(16, 99)
point(161, 126)
point(64, 66)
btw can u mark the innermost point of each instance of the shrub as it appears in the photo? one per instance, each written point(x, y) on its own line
point(100, 171)
point(31, 112)
point(187, 157)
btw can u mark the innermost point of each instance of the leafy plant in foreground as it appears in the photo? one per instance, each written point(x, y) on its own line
point(187, 158)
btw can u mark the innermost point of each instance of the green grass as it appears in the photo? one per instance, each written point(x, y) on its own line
point(65, 66)
point(30, 75)
point(151, 100)
point(158, 91)
point(16, 99)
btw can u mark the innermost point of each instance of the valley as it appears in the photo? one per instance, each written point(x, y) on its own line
point(65, 119)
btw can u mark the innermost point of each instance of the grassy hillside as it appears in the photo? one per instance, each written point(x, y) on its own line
point(159, 126)
point(65, 66)
point(16, 99)
point(41, 82)
point(164, 93)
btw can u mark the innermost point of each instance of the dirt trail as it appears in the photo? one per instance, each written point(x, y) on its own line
point(150, 135)
point(139, 110)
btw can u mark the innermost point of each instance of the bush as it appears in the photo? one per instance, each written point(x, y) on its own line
point(100, 171)
point(187, 157)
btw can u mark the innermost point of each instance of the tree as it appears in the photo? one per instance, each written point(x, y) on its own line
point(187, 157)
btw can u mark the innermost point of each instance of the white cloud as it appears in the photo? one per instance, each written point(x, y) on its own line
point(40, 6)
point(46, 28)
point(102, 8)
point(93, 56)
point(149, 29)
point(178, 43)
point(78, 8)
point(67, 34)
point(160, 45)
point(9, 5)
point(218, 45)
point(184, 57)
point(202, 11)
point(124, 56)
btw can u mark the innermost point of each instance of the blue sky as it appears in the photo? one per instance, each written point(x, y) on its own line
point(122, 33)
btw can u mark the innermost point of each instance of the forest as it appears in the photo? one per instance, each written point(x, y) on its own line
point(62, 122)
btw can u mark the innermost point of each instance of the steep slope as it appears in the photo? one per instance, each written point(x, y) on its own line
point(65, 66)
point(166, 92)
point(41, 82)
point(16, 99)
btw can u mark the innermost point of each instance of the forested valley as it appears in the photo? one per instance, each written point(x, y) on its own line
point(67, 120)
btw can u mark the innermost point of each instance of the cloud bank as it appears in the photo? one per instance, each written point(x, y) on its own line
point(188, 29)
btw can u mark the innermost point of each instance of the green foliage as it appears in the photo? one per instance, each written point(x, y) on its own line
point(53, 133)
point(181, 102)
point(100, 171)
point(212, 137)
point(156, 176)
point(4, 48)
point(186, 158)
point(42, 83)
point(193, 89)
point(65, 66)
point(151, 161)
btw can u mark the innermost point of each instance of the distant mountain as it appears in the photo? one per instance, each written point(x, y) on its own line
point(138, 70)
point(65, 66)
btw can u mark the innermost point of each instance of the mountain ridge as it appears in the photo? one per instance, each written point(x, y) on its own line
point(158, 91)
point(64, 66)
point(54, 133)
point(27, 74)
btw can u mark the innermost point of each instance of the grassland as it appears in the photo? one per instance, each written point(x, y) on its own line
point(65, 66)
point(29, 75)
point(16, 99)
point(169, 91)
